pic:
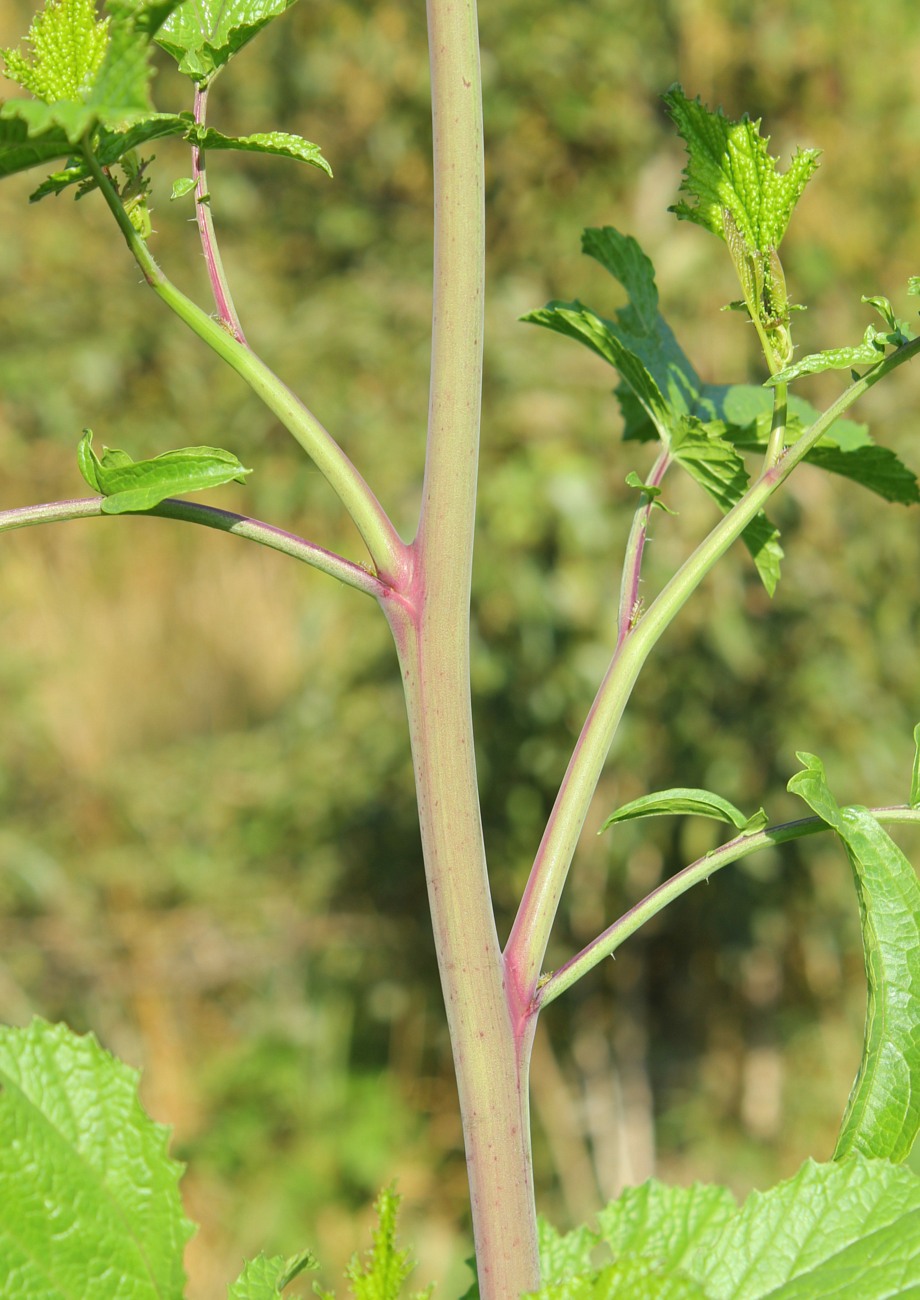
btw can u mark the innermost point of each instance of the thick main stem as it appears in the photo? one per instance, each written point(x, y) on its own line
point(490, 1034)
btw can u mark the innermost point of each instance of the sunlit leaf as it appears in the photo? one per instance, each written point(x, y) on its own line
point(90, 1197)
point(685, 801)
point(279, 143)
point(730, 169)
point(264, 1278)
point(203, 35)
point(130, 485)
point(883, 1111)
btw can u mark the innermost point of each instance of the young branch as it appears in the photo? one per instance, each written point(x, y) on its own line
point(530, 934)
point(387, 550)
point(220, 286)
point(606, 944)
point(191, 512)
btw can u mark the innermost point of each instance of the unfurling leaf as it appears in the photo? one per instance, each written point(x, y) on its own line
point(684, 801)
point(730, 170)
point(129, 485)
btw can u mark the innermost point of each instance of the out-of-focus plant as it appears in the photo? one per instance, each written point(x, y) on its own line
point(96, 1203)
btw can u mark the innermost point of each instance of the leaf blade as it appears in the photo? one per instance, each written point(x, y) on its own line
point(131, 486)
point(883, 1111)
point(684, 801)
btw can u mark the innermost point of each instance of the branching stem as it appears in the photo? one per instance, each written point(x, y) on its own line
point(220, 287)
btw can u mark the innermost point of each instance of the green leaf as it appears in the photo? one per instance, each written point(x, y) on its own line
point(651, 490)
point(662, 381)
point(90, 1197)
point(279, 143)
point(685, 801)
point(867, 353)
point(913, 284)
point(846, 449)
point(78, 90)
point(849, 1229)
point(203, 35)
point(631, 1276)
point(184, 185)
point(883, 1111)
point(264, 1278)
point(130, 485)
point(730, 170)
point(68, 45)
point(915, 771)
point(386, 1267)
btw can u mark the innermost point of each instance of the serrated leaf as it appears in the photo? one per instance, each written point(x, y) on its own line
point(111, 93)
point(264, 1278)
point(68, 44)
point(203, 35)
point(662, 381)
point(846, 449)
point(914, 800)
point(385, 1267)
point(867, 353)
point(631, 1276)
point(683, 801)
point(130, 485)
point(89, 1193)
point(730, 169)
point(849, 1229)
point(713, 462)
point(279, 143)
point(883, 1111)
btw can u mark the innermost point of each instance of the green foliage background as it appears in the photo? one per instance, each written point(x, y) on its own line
point(208, 849)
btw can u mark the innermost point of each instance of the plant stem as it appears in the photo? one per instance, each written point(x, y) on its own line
point(490, 1036)
point(777, 440)
point(740, 847)
point(220, 286)
point(630, 602)
point(254, 530)
point(386, 548)
point(526, 945)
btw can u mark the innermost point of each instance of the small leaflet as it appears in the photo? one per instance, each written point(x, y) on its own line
point(129, 485)
point(687, 801)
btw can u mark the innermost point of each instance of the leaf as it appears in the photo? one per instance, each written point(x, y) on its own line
point(564, 1255)
point(729, 169)
point(79, 91)
point(883, 1111)
point(641, 346)
point(264, 1278)
point(631, 1276)
point(279, 143)
point(130, 485)
point(868, 353)
point(90, 1197)
point(203, 35)
point(651, 490)
point(68, 45)
point(914, 800)
point(713, 462)
point(184, 185)
point(685, 801)
point(846, 449)
point(385, 1268)
point(849, 1229)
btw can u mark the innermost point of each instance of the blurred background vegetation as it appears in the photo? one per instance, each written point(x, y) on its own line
point(208, 844)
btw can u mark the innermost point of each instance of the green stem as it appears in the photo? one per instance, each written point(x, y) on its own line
point(777, 440)
point(387, 550)
point(740, 847)
point(429, 616)
point(530, 934)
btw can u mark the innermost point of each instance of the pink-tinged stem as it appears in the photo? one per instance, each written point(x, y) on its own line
point(220, 287)
point(429, 614)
